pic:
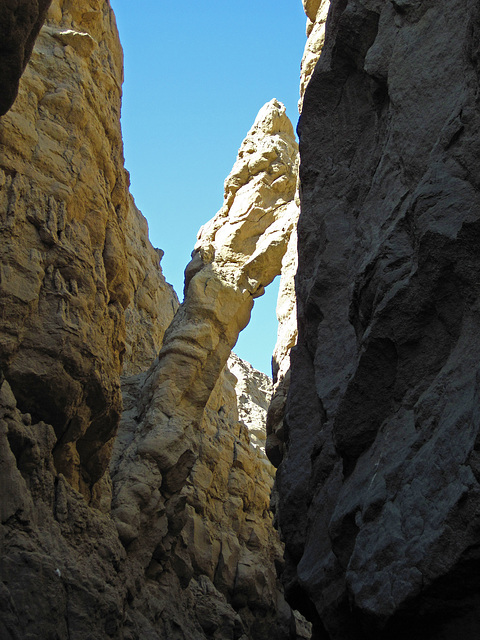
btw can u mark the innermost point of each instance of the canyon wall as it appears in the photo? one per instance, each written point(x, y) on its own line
point(133, 501)
point(379, 483)
point(65, 207)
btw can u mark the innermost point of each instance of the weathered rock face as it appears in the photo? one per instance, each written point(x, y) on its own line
point(379, 490)
point(185, 502)
point(286, 339)
point(65, 208)
point(189, 551)
point(153, 303)
point(254, 393)
point(317, 11)
point(204, 552)
point(238, 253)
point(20, 22)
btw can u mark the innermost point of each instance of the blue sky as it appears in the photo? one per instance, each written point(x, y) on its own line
point(196, 74)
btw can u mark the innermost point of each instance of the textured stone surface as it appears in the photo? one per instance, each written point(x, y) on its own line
point(153, 303)
point(64, 209)
point(191, 493)
point(317, 12)
point(189, 551)
point(20, 22)
point(204, 546)
point(286, 339)
point(379, 490)
point(254, 393)
point(238, 253)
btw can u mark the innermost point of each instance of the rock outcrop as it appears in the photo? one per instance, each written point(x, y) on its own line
point(185, 502)
point(379, 487)
point(316, 11)
point(286, 340)
point(20, 23)
point(113, 394)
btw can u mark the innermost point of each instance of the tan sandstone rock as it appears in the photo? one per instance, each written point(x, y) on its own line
point(286, 340)
point(154, 302)
point(238, 253)
point(254, 392)
point(189, 551)
point(84, 300)
point(317, 12)
point(184, 467)
point(64, 205)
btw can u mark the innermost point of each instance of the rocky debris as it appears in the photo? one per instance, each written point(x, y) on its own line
point(254, 392)
point(20, 23)
point(379, 488)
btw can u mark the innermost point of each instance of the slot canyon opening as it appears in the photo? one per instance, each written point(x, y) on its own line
point(162, 526)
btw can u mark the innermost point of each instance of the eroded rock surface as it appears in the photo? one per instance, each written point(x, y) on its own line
point(286, 340)
point(20, 23)
point(65, 208)
point(316, 11)
point(189, 551)
point(191, 493)
point(379, 489)
point(254, 393)
point(238, 253)
point(153, 303)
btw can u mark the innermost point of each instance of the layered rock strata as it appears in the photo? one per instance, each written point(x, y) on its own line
point(20, 23)
point(379, 488)
point(189, 551)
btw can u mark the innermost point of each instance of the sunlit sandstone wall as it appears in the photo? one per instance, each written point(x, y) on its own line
point(189, 551)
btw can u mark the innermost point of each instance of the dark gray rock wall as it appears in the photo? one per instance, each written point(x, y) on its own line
point(20, 22)
point(379, 490)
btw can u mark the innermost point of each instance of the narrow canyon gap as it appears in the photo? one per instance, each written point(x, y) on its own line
point(134, 497)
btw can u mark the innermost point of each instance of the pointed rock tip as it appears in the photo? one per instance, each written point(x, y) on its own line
point(271, 119)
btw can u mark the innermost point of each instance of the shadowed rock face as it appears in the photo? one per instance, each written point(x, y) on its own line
point(20, 22)
point(379, 489)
